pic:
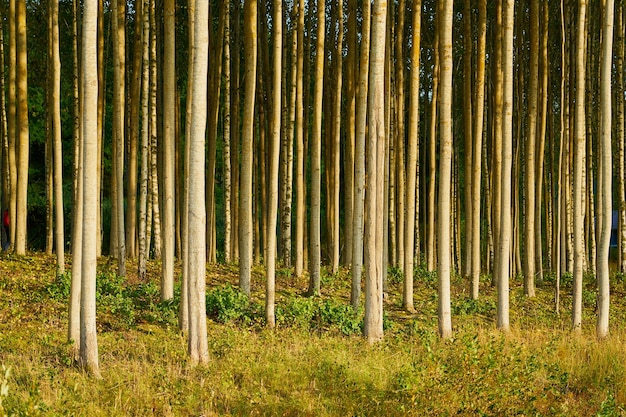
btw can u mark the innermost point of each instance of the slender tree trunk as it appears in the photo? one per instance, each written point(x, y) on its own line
point(478, 147)
point(89, 91)
point(73, 334)
point(55, 130)
point(270, 250)
point(154, 177)
point(530, 177)
point(316, 155)
point(22, 131)
point(227, 120)
point(196, 215)
point(119, 94)
point(579, 160)
point(336, 148)
point(444, 27)
point(605, 210)
point(431, 243)
point(468, 80)
point(12, 119)
point(504, 240)
point(359, 157)
point(245, 201)
point(619, 113)
point(300, 163)
point(169, 142)
point(143, 182)
point(412, 158)
point(375, 156)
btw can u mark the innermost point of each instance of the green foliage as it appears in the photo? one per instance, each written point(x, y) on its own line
point(467, 306)
point(228, 304)
point(395, 275)
point(314, 313)
point(59, 289)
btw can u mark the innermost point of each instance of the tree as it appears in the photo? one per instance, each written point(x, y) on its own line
point(119, 94)
point(529, 222)
point(55, 104)
point(359, 157)
point(579, 160)
point(196, 209)
point(504, 239)
point(22, 130)
point(169, 143)
point(316, 154)
point(605, 210)
point(375, 159)
point(245, 199)
point(478, 145)
point(412, 157)
point(89, 92)
point(445, 167)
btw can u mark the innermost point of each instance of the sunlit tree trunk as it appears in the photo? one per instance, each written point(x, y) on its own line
point(579, 160)
point(73, 333)
point(133, 135)
point(227, 120)
point(412, 158)
point(359, 157)
point(619, 113)
point(245, 186)
point(274, 154)
point(12, 119)
point(154, 176)
point(336, 142)
point(19, 220)
point(477, 157)
point(169, 142)
point(145, 119)
point(316, 154)
point(468, 106)
point(119, 94)
point(375, 158)
point(444, 27)
point(431, 243)
point(504, 241)
point(605, 173)
point(530, 177)
point(89, 92)
point(55, 130)
point(196, 215)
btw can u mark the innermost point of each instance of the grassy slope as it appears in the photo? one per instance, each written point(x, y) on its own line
point(538, 369)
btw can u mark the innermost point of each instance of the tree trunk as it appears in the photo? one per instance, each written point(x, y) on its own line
point(88, 337)
point(468, 80)
point(444, 27)
point(143, 182)
point(154, 178)
point(196, 214)
point(19, 220)
point(412, 158)
point(247, 141)
point(55, 130)
point(227, 120)
point(375, 157)
point(477, 158)
point(316, 154)
point(359, 157)
point(274, 144)
point(169, 142)
point(579, 158)
point(119, 94)
point(605, 209)
point(504, 240)
point(431, 243)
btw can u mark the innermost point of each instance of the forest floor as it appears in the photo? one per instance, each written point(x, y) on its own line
point(315, 362)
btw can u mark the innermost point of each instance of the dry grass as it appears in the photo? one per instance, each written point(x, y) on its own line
point(539, 368)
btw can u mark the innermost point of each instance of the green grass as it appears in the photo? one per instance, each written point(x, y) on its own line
point(315, 363)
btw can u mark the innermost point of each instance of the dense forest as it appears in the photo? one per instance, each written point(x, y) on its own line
point(468, 138)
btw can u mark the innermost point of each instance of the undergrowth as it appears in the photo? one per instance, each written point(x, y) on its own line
point(315, 362)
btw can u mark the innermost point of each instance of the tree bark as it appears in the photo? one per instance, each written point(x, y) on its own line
point(19, 220)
